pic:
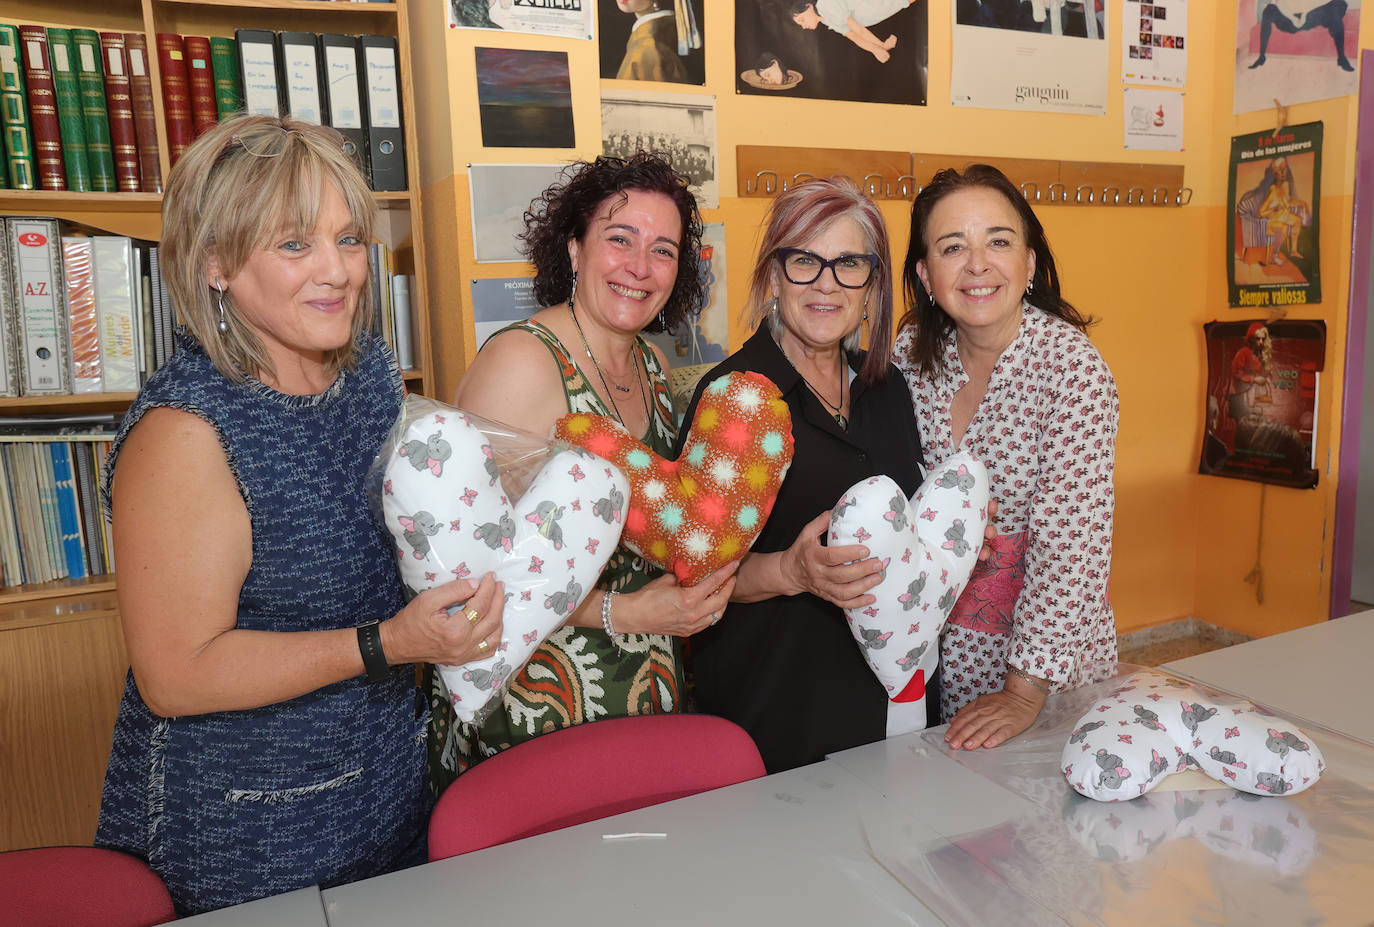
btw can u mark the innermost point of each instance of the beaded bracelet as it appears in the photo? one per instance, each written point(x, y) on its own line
point(1038, 685)
point(606, 617)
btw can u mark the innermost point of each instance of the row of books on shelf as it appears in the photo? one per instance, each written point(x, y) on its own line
point(51, 522)
point(85, 312)
point(77, 109)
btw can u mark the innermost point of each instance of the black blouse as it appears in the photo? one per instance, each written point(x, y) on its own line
point(787, 669)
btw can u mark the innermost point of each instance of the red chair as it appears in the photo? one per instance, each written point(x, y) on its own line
point(80, 887)
point(587, 772)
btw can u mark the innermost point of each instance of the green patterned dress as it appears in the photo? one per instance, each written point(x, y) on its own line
point(578, 674)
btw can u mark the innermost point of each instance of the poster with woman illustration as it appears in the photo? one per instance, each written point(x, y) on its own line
point(1273, 200)
point(662, 40)
point(1261, 402)
point(870, 51)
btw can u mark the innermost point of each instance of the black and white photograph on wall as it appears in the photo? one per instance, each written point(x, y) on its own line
point(870, 51)
point(1294, 51)
point(1047, 56)
point(679, 126)
point(524, 98)
point(499, 195)
point(662, 40)
point(569, 19)
point(1274, 201)
point(1261, 401)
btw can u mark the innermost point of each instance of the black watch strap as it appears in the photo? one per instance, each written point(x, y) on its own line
point(370, 644)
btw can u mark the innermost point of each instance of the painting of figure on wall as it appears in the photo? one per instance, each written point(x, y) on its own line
point(662, 40)
point(872, 51)
point(1295, 51)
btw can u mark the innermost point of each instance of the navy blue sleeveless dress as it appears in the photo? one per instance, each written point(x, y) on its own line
point(326, 788)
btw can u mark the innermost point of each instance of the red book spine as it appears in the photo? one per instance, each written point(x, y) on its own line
point(201, 78)
point(119, 107)
point(176, 94)
point(47, 135)
point(145, 116)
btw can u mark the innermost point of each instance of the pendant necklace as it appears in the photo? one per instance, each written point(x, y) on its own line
point(835, 410)
point(648, 416)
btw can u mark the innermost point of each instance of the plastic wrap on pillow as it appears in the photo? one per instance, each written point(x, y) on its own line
point(463, 496)
point(1178, 856)
point(928, 547)
point(704, 510)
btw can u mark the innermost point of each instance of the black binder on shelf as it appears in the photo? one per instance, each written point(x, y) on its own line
point(257, 50)
point(344, 94)
point(298, 75)
point(379, 64)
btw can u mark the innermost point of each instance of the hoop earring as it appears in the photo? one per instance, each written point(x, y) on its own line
point(223, 324)
point(572, 291)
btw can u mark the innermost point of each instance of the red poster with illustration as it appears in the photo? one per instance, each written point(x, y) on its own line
point(1261, 407)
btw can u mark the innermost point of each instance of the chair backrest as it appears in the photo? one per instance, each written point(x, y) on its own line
point(586, 772)
point(81, 887)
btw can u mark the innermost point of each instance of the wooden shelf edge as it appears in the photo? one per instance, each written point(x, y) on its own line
point(57, 589)
point(313, 6)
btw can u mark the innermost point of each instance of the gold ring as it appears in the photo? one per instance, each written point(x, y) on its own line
point(483, 647)
point(473, 615)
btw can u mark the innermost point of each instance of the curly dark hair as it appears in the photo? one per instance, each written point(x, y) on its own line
point(563, 211)
point(932, 323)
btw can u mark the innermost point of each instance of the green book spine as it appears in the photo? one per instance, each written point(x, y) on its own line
point(14, 113)
point(71, 120)
point(224, 62)
point(90, 78)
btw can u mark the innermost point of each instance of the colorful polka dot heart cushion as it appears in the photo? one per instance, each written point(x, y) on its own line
point(695, 514)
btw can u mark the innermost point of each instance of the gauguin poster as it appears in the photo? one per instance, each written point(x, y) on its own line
point(1261, 414)
point(1274, 200)
point(872, 52)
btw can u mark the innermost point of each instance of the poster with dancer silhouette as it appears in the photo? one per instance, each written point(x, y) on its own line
point(1294, 51)
point(871, 51)
point(1261, 402)
point(1273, 197)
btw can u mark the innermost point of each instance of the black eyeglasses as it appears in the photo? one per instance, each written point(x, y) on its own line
point(851, 271)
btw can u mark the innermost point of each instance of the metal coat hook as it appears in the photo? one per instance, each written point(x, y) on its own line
point(1078, 193)
point(1182, 199)
point(1155, 199)
point(1116, 195)
point(903, 186)
point(799, 177)
point(770, 184)
point(1131, 198)
point(874, 187)
point(1063, 196)
point(1032, 184)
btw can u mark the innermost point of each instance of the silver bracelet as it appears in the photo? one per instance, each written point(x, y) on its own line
point(1039, 685)
point(606, 617)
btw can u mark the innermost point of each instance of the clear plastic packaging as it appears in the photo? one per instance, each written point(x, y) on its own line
point(463, 496)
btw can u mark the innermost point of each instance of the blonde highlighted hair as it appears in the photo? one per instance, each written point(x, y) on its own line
point(240, 185)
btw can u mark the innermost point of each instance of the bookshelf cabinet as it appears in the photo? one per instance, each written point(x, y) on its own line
point(62, 657)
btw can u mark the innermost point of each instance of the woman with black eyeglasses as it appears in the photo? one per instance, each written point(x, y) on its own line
point(781, 661)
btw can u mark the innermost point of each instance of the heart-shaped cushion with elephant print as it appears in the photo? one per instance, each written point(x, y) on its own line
point(444, 503)
point(928, 547)
point(1154, 725)
point(695, 514)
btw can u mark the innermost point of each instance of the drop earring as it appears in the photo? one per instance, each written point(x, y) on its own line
point(865, 309)
point(223, 324)
point(572, 290)
point(1030, 286)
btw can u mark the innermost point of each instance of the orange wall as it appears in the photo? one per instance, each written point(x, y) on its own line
point(1151, 275)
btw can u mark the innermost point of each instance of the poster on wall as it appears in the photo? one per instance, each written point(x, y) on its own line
point(1273, 197)
point(703, 338)
point(500, 194)
point(1050, 55)
point(1154, 119)
point(652, 40)
point(570, 19)
point(1154, 34)
point(680, 126)
point(1261, 401)
point(869, 51)
point(524, 98)
point(499, 301)
point(1294, 51)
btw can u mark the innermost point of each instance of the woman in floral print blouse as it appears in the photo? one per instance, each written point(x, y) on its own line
point(999, 365)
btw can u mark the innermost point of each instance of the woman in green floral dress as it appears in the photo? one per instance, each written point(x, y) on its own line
point(615, 245)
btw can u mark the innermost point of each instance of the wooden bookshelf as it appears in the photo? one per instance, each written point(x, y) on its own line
point(62, 659)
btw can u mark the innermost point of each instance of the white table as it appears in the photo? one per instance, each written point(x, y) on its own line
point(1321, 673)
point(301, 908)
